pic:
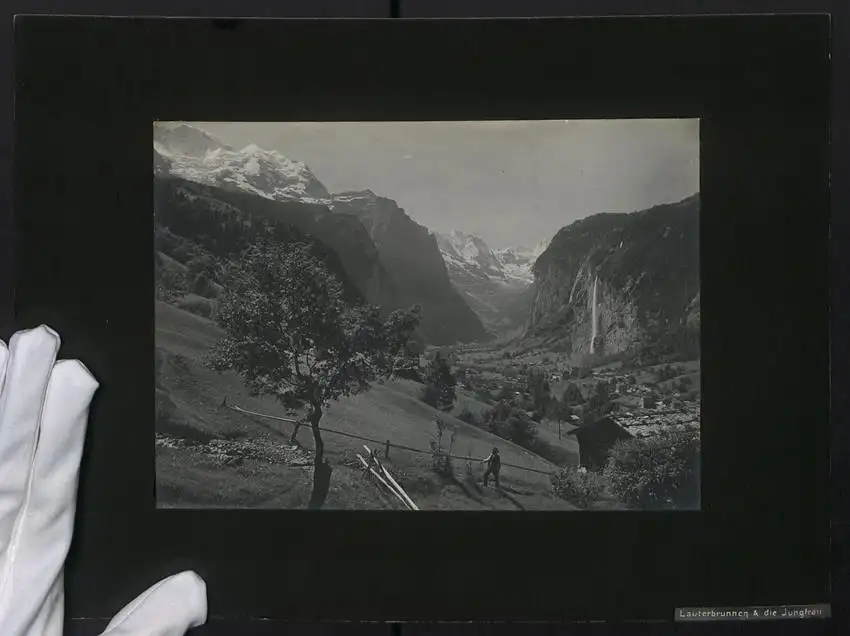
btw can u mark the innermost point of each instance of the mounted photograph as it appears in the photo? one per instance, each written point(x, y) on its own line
point(428, 315)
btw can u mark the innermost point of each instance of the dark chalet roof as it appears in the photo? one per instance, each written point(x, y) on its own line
point(644, 422)
point(603, 426)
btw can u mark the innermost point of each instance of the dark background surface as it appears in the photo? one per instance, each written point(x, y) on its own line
point(89, 335)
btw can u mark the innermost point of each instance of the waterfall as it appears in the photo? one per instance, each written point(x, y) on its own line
point(594, 316)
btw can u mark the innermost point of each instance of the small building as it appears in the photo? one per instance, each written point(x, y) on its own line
point(596, 439)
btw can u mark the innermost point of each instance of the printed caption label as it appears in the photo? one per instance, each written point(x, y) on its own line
point(777, 612)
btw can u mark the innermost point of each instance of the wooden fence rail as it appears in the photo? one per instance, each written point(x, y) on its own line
point(386, 443)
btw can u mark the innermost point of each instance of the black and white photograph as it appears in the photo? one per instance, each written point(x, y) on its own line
point(428, 315)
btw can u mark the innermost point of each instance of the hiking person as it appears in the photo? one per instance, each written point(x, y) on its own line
point(494, 465)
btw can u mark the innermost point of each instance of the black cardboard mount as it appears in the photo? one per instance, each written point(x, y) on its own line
point(86, 93)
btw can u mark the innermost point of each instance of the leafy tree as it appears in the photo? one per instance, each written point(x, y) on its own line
point(572, 395)
point(661, 471)
point(500, 412)
point(204, 263)
point(289, 334)
point(430, 395)
point(521, 430)
point(441, 461)
point(558, 410)
point(506, 421)
point(599, 404)
point(582, 487)
point(564, 413)
point(408, 363)
point(603, 390)
point(442, 381)
point(171, 283)
point(600, 397)
point(538, 387)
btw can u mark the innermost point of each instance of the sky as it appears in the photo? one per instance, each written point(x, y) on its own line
point(511, 182)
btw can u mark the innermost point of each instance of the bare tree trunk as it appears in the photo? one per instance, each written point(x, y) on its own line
point(315, 418)
point(321, 469)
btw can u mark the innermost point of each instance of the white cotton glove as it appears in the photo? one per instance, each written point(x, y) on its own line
point(44, 407)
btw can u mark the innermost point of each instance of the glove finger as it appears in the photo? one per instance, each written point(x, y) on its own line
point(4, 358)
point(56, 468)
point(43, 534)
point(32, 354)
point(169, 608)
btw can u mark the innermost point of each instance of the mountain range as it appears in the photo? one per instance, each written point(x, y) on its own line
point(197, 156)
point(602, 285)
point(392, 260)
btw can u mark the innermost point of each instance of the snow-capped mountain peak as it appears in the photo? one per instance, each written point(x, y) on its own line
point(496, 283)
point(184, 139)
point(508, 266)
point(195, 155)
point(518, 261)
point(470, 250)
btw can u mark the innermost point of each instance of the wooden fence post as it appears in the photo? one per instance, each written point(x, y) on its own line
point(387, 449)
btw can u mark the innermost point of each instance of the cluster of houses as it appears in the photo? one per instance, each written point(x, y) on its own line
point(474, 379)
point(638, 410)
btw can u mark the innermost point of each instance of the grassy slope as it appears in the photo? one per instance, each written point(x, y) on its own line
point(390, 411)
point(547, 430)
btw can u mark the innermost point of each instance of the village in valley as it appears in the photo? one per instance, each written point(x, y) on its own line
point(599, 405)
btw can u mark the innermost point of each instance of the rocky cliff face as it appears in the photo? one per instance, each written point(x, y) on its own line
point(412, 258)
point(611, 282)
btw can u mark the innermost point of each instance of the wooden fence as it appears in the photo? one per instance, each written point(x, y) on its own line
point(387, 444)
